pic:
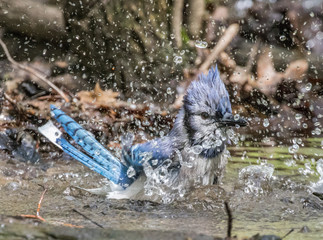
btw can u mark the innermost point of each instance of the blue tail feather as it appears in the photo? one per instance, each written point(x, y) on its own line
point(83, 137)
point(89, 162)
point(102, 160)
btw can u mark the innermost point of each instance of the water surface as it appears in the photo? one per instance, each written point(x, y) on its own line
point(272, 198)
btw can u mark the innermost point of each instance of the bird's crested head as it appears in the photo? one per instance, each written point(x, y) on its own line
point(208, 109)
point(208, 99)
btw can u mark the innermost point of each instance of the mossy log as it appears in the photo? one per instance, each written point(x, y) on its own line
point(33, 18)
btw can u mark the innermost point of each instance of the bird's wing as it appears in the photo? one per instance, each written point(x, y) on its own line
point(154, 152)
point(99, 159)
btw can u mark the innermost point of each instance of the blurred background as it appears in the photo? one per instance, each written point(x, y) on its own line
point(269, 52)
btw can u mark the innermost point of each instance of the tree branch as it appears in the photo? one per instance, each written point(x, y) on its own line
point(224, 41)
point(177, 21)
point(195, 18)
point(32, 71)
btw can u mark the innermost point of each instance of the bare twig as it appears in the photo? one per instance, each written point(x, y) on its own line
point(87, 218)
point(17, 106)
point(290, 231)
point(32, 71)
point(230, 219)
point(177, 21)
point(224, 41)
point(227, 61)
point(37, 216)
point(13, 102)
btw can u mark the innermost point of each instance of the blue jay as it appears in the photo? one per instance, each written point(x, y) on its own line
point(191, 154)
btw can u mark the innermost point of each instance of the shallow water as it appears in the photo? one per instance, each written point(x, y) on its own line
point(261, 202)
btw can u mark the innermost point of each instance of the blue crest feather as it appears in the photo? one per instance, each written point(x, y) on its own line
point(207, 92)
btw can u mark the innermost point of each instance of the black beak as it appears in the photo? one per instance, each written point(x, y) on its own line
point(230, 120)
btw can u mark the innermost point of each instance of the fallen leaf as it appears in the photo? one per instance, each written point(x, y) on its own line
point(100, 98)
point(296, 70)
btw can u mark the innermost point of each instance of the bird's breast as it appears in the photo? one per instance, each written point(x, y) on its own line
point(199, 170)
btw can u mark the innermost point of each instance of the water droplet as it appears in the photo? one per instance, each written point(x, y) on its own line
point(298, 116)
point(97, 152)
point(317, 124)
point(189, 164)
point(317, 131)
point(145, 156)
point(200, 44)
point(319, 167)
point(181, 192)
point(218, 143)
point(230, 134)
point(178, 59)
point(290, 163)
point(131, 172)
point(5, 11)
point(179, 155)
point(282, 38)
point(154, 162)
point(266, 122)
point(169, 91)
point(197, 149)
point(301, 157)
point(207, 144)
point(308, 86)
point(311, 14)
point(293, 149)
point(236, 117)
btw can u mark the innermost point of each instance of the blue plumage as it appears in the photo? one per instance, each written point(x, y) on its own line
point(197, 137)
point(209, 93)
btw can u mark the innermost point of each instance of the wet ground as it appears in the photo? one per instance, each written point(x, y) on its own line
point(272, 198)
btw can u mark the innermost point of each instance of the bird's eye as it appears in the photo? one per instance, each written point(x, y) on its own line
point(218, 115)
point(205, 115)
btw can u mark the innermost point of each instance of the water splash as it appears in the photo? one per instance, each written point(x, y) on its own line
point(178, 59)
point(318, 186)
point(256, 178)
